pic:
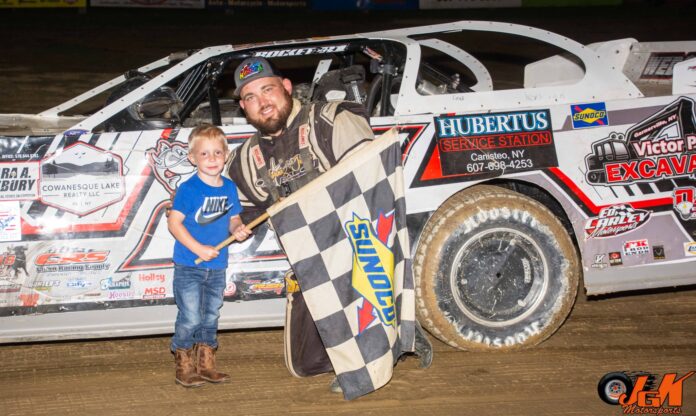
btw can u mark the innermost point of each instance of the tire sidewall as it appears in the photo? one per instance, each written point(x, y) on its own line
point(461, 218)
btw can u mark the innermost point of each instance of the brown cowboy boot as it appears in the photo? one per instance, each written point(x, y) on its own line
point(205, 364)
point(185, 369)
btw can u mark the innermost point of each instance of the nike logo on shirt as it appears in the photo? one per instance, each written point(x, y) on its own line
point(213, 208)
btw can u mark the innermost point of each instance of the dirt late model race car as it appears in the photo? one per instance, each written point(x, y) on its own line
point(524, 172)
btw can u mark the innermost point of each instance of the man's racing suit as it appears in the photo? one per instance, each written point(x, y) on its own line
point(265, 168)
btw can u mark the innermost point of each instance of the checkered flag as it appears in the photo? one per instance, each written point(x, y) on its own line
point(345, 236)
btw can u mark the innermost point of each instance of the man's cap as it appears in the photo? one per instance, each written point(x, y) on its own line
point(252, 69)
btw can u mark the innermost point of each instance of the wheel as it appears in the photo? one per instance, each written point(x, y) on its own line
point(494, 270)
point(612, 386)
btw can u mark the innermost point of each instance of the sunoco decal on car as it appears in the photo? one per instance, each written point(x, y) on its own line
point(311, 50)
point(660, 65)
point(589, 115)
point(684, 202)
point(615, 220)
point(486, 145)
point(690, 248)
point(663, 146)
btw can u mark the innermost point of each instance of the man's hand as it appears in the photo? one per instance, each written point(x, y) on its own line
point(241, 232)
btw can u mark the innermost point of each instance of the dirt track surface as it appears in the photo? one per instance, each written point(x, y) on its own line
point(50, 57)
point(650, 332)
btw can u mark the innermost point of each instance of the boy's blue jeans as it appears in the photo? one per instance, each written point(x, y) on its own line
point(198, 293)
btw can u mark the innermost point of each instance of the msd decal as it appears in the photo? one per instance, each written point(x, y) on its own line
point(373, 269)
point(663, 146)
point(615, 220)
point(589, 115)
point(684, 202)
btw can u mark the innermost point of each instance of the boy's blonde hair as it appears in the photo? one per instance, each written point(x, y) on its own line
point(207, 132)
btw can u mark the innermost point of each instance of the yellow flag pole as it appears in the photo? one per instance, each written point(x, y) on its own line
point(258, 220)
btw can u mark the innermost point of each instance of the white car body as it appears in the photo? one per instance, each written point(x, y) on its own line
point(119, 223)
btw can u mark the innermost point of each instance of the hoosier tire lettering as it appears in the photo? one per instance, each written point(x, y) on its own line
point(495, 270)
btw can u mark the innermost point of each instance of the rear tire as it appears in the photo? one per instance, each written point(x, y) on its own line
point(495, 270)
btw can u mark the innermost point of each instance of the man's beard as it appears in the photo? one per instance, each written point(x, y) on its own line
point(276, 123)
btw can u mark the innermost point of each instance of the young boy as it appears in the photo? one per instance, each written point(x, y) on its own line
point(205, 211)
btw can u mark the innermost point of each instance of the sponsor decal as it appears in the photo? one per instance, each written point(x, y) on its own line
point(373, 269)
point(170, 163)
point(636, 247)
point(75, 132)
point(155, 292)
point(259, 161)
point(44, 285)
point(304, 136)
point(684, 202)
point(19, 181)
point(152, 277)
point(615, 220)
point(639, 392)
point(660, 65)
point(10, 221)
point(9, 287)
point(690, 248)
point(78, 283)
point(13, 261)
point(70, 259)
point(589, 115)
point(661, 147)
point(615, 258)
point(485, 145)
point(255, 286)
point(110, 284)
point(310, 50)
point(599, 262)
point(658, 252)
point(120, 295)
point(18, 149)
point(82, 179)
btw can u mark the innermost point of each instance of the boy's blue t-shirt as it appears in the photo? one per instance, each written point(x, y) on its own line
point(207, 210)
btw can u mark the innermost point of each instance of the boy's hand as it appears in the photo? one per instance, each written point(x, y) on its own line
point(242, 232)
point(207, 253)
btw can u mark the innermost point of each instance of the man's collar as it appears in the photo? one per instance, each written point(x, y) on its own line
point(296, 107)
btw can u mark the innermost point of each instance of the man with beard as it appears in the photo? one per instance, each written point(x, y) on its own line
point(294, 144)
